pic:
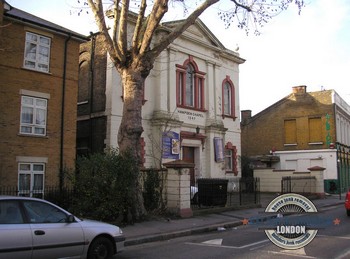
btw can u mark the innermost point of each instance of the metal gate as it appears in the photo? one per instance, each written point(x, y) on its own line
point(299, 184)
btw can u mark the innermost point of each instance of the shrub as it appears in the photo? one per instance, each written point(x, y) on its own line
point(151, 194)
point(103, 185)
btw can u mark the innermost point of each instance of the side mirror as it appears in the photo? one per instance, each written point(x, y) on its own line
point(70, 219)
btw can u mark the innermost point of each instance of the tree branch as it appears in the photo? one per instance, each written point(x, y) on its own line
point(160, 7)
point(123, 29)
point(139, 25)
point(116, 22)
point(248, 8)
point(97, 9)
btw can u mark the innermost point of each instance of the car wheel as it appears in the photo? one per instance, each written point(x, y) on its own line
point(100, 248)
point(348, 212)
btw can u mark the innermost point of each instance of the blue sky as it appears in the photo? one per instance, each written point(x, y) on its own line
point(311, 49)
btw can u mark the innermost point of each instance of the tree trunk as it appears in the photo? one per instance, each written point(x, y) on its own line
point(130, 131)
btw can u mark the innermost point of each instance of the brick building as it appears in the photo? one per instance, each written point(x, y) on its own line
point(39, 86)
point(298, 132)
point(195, 120)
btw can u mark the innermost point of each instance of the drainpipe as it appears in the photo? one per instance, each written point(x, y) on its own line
point(92, 61)
point(61, 176)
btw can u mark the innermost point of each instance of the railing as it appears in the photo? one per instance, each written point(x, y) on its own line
point(237, 192)
point(62, 197)
point(305, 185)
point(234, 193)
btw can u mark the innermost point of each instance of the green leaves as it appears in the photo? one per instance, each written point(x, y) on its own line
point(103, 184)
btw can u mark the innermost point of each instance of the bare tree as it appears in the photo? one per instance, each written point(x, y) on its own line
point(135, 61)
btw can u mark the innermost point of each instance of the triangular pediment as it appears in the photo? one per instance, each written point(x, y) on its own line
point(198, 32)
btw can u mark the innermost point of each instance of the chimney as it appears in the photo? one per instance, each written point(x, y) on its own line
point(301, 89)
point(246, 115)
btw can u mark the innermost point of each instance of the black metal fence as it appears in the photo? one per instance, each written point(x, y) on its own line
point(211, 193)
point(60, 196)
point(225, 193)
point(305, 185)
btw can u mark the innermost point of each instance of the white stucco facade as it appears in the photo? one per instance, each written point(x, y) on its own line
point(301, 160)
point(342, 118)
point(162, 112)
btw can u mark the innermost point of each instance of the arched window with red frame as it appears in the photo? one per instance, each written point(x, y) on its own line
point(190, 85)
point(228, 98)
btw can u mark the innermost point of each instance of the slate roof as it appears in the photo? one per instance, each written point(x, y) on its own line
point(22, 16)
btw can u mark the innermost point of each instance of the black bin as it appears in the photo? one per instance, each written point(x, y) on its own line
point(212, 191)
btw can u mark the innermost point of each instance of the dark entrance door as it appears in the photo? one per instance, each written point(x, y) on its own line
point(188, 156)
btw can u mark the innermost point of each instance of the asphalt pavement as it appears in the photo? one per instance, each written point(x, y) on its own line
point(162, 228)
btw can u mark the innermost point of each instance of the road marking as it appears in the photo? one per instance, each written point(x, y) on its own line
point(208, 243)
point(255, 243)
point(336, 237)
point(257, 247)
point(300, 251)
point(297, 253)
point(217, 242)
point(344, 255)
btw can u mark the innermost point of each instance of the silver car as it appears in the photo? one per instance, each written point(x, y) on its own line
point(35, 228)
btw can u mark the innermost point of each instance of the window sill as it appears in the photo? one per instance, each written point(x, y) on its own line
point(191, 108)
point(39, 71)
point(224, 116)
point(82, 103)
point(315, 143)
point(32, 135)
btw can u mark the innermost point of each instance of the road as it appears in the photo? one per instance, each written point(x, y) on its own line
point(248, 241)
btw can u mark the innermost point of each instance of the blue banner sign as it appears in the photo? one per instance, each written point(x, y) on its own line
point(171, 145)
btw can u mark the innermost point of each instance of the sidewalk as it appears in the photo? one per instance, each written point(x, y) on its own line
point(163, 229)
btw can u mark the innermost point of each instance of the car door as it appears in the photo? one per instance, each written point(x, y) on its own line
point(53, 237)
point(15, 234)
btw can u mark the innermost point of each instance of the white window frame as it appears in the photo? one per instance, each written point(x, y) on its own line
point(29, 176)
point(37, 52)
point(36, 124)
point(190, 86)
point(227, 99)
point(228, 159)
